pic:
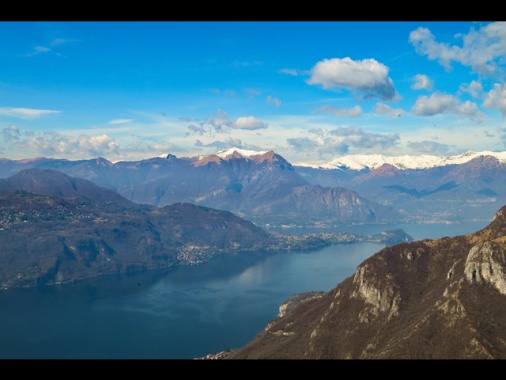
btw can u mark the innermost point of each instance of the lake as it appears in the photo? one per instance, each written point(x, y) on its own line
point(182, 313)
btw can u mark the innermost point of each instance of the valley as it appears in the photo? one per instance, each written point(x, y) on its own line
point(58, 229)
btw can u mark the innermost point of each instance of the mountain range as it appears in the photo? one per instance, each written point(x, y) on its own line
point(471, 190)
point(263, 188)
point(58, 229)
point(427, 299)
point(424, 161)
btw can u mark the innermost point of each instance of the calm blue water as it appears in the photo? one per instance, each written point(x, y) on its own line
point(179, 314)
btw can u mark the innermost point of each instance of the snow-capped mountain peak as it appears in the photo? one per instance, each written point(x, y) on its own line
point(243, 152)
point(374, 161)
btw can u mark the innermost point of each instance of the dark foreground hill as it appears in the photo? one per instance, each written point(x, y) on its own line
point(46, 240)
point(428, 299)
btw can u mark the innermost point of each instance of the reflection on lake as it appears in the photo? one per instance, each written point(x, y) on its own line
point(178, 314)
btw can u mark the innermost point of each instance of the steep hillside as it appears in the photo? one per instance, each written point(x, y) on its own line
point(428, 299)
point(56, 229)
point(56, 183)
point(46, 240)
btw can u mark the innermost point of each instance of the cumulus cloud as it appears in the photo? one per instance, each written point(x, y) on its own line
point(50, 143)
point(154, 148)
point(324, 147)
point(274, 101)
point(368, 77)
point(439, 103)
point(11, 133)
point(248, 122)
point(481, 49)
point(433, 148)
point(385, 109)
point(343, 140)
point(474, 88)
point(422, 82)
point(496, 98)
point(25, 113)
point(53, 144)
point(340, 111)
point(222, 124)
point(358, 138)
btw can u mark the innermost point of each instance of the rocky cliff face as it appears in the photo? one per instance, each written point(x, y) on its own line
point(429, 299)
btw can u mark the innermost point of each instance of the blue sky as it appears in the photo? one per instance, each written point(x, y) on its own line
point(311, 91)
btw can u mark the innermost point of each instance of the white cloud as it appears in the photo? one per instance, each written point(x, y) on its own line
point(41, 49)
point(248, 122)
point(252, 92)
point(293, 72)
point(326, 144)
point(340, 111)
point(422, 82)
point(368, 77)
point(136, 148)
point(25, 113)
point(228, 143)
point(433, 148)
point(50, 144)
point(217, 91)
point(11, 133)
point(120, 121)
point(481, 49)
point(274, 101)
point(384, 109)
point(474, 88)
point(222, 124)
point(439, 103)
point(496, 98)
point(358, 138)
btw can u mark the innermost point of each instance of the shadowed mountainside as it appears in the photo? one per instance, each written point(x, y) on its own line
point(57, 229)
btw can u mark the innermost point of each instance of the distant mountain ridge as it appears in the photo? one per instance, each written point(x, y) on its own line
point(259, 186)
point(263, 187)
point(425, 161)
point(471, 190)
point(55, 183)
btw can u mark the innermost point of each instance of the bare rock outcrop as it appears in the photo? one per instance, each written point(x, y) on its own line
point(485, 264)
point(427, 299)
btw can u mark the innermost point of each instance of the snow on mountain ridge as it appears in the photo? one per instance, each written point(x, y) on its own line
point(243, 152)
point(374, 161)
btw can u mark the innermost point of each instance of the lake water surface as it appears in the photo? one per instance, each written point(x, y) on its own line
point(183, 313)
